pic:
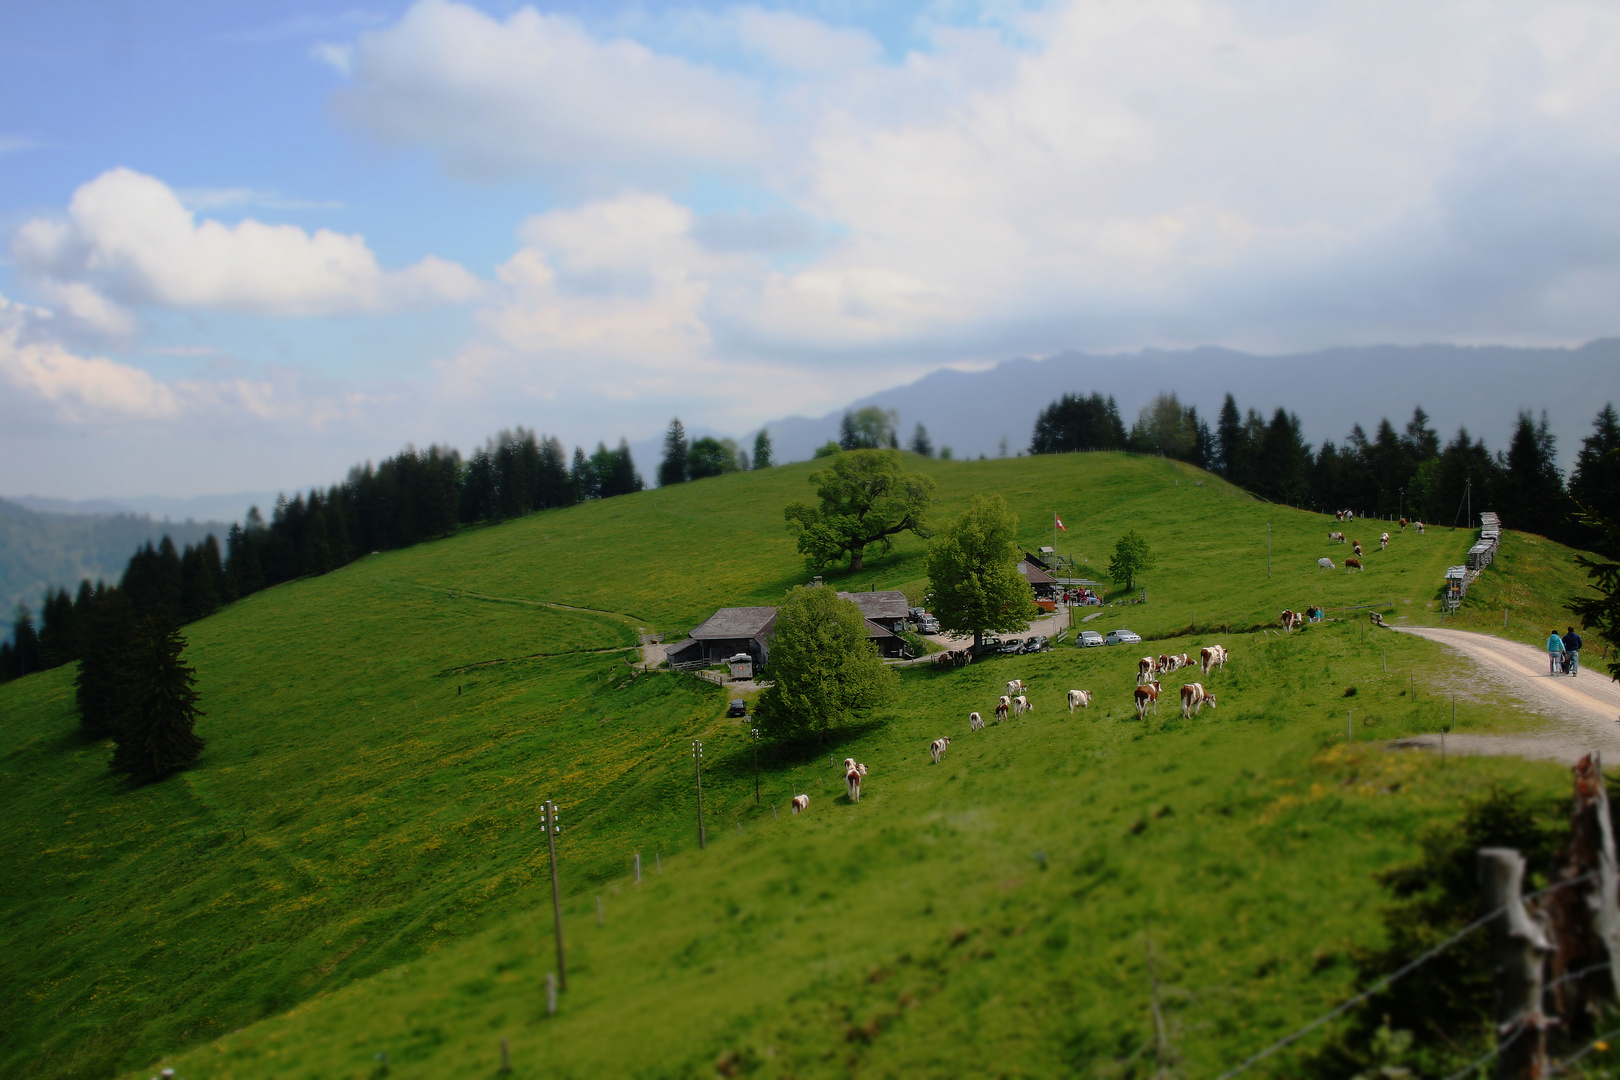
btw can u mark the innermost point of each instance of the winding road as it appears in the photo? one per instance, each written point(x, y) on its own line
point(1582, 713)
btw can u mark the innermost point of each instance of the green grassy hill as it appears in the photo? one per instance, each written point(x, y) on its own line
point(355, 868)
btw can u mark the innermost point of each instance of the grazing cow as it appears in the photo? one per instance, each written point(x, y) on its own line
point(1383, 542)
point(1338, 515)
point(1355, 545)
point(1016, 687)
point(1021, 705)
point(1349, 515)
point(1002, 708)
point(849, 763)
point(975, 721)
point(1078, 699)
point(1183, 661)
point(1403, 524)
point(1292, 620)
point(1147, 697)
point(1335, 537)
point(1193, 699)
point(1420, 528)
point(1352, 564)
point(1211, 657)
point(1326, 564)
point(936, 749)
point(852, 782)
point(1146, 668)
point(801, 803)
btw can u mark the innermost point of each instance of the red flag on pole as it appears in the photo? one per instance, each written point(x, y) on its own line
point(1058, 522)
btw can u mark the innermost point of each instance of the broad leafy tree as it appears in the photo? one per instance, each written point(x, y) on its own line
point(823, 666)
point(712, 457)
point(974, 583)
point(867, 497)
point(156, 734)
point(672, 470)
point(870, 428)
point(1132, 556)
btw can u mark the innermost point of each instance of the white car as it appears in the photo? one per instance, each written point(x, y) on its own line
point(1088, 639)
point(1122, 637)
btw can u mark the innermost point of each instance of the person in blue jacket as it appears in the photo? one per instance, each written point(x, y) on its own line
point(1555, 654)
point(1572, 652)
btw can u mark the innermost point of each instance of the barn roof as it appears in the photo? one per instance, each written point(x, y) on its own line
point(877, 630)
point(736, 622)
point(1034, 574)
point(888, 604)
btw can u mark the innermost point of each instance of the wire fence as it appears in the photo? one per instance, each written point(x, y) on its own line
point(1389, 980)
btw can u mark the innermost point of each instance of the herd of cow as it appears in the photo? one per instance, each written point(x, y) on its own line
point(1015, 702)
point(1354, 562)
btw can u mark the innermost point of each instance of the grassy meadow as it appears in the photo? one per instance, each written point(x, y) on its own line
point(354, 869)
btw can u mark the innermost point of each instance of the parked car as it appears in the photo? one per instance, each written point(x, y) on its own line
point(1011, 648)
point(928, 625)
point(1088, 639)
point(1122, 637)
point(739, 707)
point(1037, 643)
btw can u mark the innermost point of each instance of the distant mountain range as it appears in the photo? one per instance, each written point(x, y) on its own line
point(52, 550)
point(205, 508)
point(1481, 387)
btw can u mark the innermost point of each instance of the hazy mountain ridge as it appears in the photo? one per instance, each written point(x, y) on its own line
point(52, 550)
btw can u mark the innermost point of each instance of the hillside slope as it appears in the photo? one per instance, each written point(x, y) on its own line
point(360, 835)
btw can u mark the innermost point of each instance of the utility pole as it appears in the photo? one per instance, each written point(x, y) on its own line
point(697, 756)
point(1401, 504)
point(1268, 549)
point(552, 829)
point(756, 766)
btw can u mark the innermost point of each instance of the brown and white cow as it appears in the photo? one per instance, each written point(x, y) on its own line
point(1078, 699)
point(1355, 546)
point(1147, 697)
point(1403, 524)
point(975, 721)
point(1016, 687)
point(1419, 526)
point(801, 803)
point(1003, 707)
point(1352, 564)
point(1383, 542)
point(1146, 668)
point(1335, 537)
point(1021, 705)
point(936, 749)
point(1292, 620)
point(1211, 657)
point(1193, 698)
point(852, 781)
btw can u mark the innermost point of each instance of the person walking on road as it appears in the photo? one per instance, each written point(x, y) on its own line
point(1555, 654)
point(1572, 652)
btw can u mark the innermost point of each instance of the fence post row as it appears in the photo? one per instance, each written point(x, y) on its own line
point(1518, 952)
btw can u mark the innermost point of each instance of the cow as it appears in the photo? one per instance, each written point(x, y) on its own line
point(936, 749)
point(1326, 564)
point(1349, 515)
point(1193, 699)
point(975, 721)
point(1146, 668)
point(1021, 705)
point(1147, 697)
point(801, 803)
point(1211, 657)
point(1352, 564)
point(1419, 526)
point(1183, 660)
point(1016, 687)
point(1355, 545)
point(1002, 708)
point(1338, 515)
point(1335, 537)
point(849, 763)
point(1383, 542)
point(1292, 620)
point(852, 782)
point(1403, 524)
point(1078, 699)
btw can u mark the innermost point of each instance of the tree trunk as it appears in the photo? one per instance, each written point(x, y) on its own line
point(978, 638)
point(855, 562)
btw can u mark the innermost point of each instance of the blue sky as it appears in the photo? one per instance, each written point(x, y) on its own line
point(245, 245)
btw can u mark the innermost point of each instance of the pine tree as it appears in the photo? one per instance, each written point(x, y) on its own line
point(101, 683)
point(1595, 483)
point(58, 629)
point(1232, 450)
point(156, 734)
point(581, 478)
point(762, 450)
point(673, 468)
point(25, 643)
point(921, 443)
point(1532, 495)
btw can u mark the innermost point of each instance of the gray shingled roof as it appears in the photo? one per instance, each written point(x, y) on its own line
point(1034, 574)
point(736, 622)
point(889, 604)
point(877, 630)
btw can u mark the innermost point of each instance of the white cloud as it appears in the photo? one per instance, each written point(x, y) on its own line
point(539, 93)
point(127, 238)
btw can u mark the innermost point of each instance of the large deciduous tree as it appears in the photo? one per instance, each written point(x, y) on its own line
point(867, 498)
point(870, 428)
point(823, 666)
point(1132, 556)
point(974, 583)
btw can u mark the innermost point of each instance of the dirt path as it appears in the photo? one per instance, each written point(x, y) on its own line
point(1579, 714)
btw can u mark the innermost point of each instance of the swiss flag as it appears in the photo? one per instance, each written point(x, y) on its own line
point(1058, 522)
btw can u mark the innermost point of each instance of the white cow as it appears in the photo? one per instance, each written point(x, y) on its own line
point(1078, 699)
point(975, 721)
point(801, 803)
point(1383, 542)
point(936, 749)
point(1021, 705)
point(1326, 564)
point(1016, 687)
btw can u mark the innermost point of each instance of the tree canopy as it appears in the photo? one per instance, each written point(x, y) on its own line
point(1075, 423)
point(870, 428)
point(974, 583)
point(155, 733)
point(1131, 557)
point(823, 666)
point(672, 470)
point(762, 450)
point(867, 497)
point(713, 457)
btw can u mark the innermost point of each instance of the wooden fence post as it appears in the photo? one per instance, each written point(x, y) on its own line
point(1586, 921)
point(1519, 951)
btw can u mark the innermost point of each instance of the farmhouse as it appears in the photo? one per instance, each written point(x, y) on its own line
point(726, 633)
point(1044, 584)
point(888, 608)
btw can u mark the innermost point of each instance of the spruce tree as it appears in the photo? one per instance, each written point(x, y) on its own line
point(1231, 443)
point(1595, 483)
point(25, 643)
point(921, 443)
point(1533, 487)
point(672, 470)
point(762, 450)
point(156, 734)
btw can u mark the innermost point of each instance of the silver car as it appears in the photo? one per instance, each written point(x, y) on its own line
point(1088, 639)
point(1123, 637)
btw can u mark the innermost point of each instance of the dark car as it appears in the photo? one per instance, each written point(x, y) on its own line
point(1038, 643)
point(739, 707)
